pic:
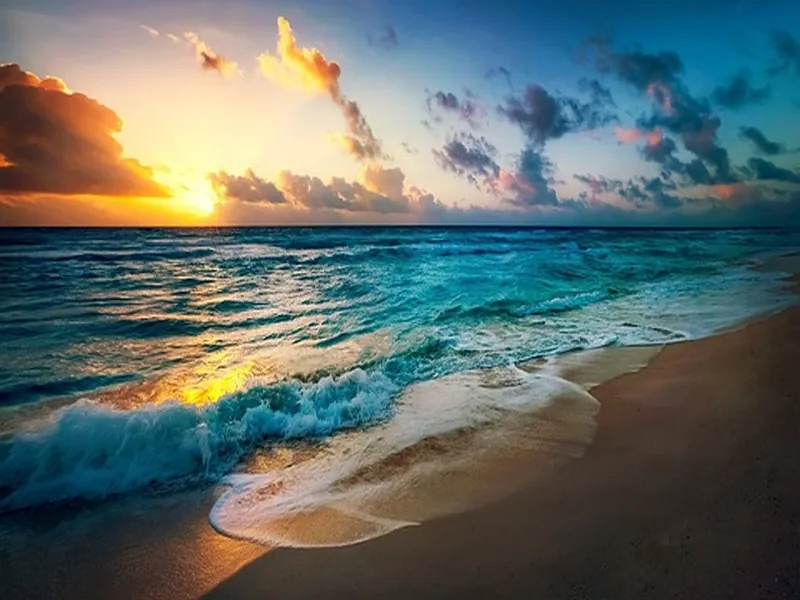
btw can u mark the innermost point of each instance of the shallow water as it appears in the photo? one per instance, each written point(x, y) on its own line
point(135, 359)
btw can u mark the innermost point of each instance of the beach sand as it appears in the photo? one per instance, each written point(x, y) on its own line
point(690, 490)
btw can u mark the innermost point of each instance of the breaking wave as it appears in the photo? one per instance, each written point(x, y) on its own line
point(88, 450)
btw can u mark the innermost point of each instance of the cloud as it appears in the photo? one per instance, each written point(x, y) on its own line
point(529, 184)
point(173, 38)
point(208, 59)
point(649, 193)
point(764, 169)
point(600, 96)
point(659, 77)
point(760, 141)
point(387, 181)
point(787, 52)
point(467, 109)
point(500, 71)
point(639, 69)
point(470, 157)
point(409, 148)
point(387, 39)
point(150, 30)
point(631, 136)
point(652, 193)
point(246, 188)
point(56, 141)
point(305, 68)
point(542, 116)
point(360, 142)
point(739, 92)
point(309, 70)
point(381, 191)
point(598, 184)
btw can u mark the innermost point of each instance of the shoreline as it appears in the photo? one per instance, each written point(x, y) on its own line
point(688, 489)
point(167, 546)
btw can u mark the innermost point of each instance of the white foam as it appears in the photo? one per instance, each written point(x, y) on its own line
point(284, 507)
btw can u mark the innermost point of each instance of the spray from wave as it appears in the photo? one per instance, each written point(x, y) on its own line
point(89, 451)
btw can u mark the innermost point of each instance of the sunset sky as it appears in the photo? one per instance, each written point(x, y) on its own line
point(265, 112)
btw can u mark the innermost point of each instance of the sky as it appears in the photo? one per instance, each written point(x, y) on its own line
point(506, 112)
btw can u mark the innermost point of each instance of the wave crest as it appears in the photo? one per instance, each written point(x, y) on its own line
point(88, 450)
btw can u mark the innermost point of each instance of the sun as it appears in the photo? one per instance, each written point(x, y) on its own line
point(199, 197)
point(191, 192)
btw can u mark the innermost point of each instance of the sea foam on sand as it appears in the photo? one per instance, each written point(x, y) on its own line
point(454, 443)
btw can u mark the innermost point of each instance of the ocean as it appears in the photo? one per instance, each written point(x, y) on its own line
point(286, 363)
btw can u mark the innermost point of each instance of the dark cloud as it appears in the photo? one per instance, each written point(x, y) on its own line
point(468, 109)
point(787, 52)
point(644, 192)
point(739, 92)
point(675, 109)
point(53, 140)
point(530, 184)
point(247, 188)
point(764, 169)
point(500, 72)
point(639, 69)
point(696, 172)
point(543, 117)
point(599, 184)
point(409, 148)
point(210, 60)
point(471, 157)
point(760, 141)
point(386, 39)
point(660, 151)
point(692, 121)
point(600, 96)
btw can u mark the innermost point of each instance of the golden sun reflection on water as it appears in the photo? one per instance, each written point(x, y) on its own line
point(206, 388)
point(199, 385)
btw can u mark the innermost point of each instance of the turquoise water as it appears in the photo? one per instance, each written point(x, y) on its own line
point(137, 358)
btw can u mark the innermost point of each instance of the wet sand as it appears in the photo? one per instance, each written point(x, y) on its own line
point(690, 490)
point(136, 547)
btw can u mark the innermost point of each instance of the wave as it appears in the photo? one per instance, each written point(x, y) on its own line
point(439, 454)
point(133, 256)
point(511, 308)
point(11, 395)
point(89, 451)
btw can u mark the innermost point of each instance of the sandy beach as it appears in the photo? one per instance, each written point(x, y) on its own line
point(689, 490)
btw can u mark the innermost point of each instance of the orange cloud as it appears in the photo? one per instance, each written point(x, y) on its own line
point(305, 68)
point(150, 30)
point(308, 69)
point(389, 182)
point(54, 141)
point(631, 136)
point(210, 60)
point(662, 96)
point(726, 191)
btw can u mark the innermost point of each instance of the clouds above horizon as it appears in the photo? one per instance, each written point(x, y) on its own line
point(378, 192)
point(683, 146)
point(309, 70)
point(53, 140)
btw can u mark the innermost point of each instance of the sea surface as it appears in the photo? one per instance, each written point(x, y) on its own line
point(159, 359)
